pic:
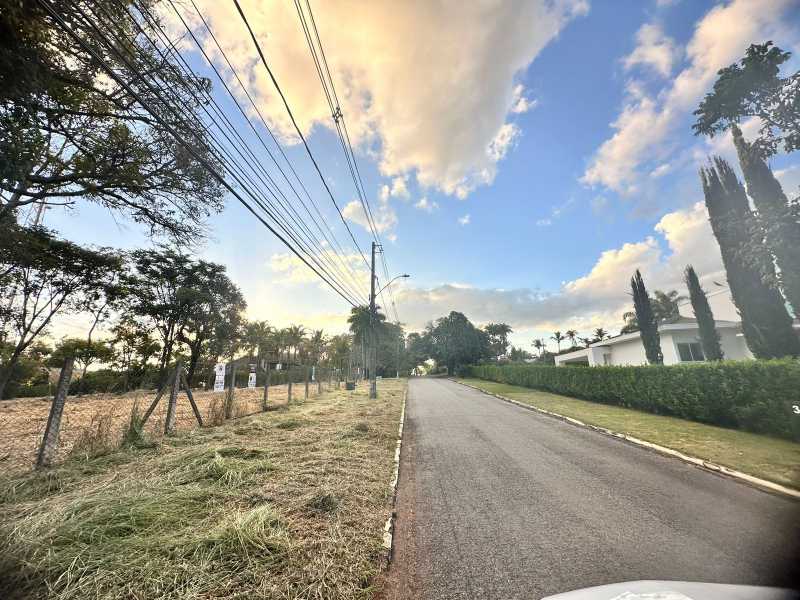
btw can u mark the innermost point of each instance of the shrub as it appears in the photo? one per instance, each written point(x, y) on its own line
point(752, 395)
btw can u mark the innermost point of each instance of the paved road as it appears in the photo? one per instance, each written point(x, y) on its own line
point(496, 501)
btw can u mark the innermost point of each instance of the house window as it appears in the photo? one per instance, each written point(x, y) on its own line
point(690, 351)
point(606, 359)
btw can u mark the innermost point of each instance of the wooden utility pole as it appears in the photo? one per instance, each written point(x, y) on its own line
point(373, 387)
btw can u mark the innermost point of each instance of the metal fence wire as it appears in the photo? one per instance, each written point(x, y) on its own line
point(97, 423)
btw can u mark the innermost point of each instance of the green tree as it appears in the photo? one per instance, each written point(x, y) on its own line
point(709, 336)
point(558, 338)
point(519, 355)
point(133, 346)
point(779, 218)
point(666, 305)
point(648, 324)
point(455, 342)
point(600, 334)
point(766, 323)
point(498, 338)
point(572, 336)
point(753, 87)
point(85, 353)
point(42, 276)
point(539, 345)
point(72, 134)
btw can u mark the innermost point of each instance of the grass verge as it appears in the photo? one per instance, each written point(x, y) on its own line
point(286, 504)
point(762, 456)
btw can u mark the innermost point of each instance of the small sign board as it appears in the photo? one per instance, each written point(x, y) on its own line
point(219, 377)
point(251, 380)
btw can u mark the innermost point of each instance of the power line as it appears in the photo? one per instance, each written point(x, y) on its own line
point(296, 127)
point(158, 117)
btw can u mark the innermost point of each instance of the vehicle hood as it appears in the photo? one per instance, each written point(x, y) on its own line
point(676, 590)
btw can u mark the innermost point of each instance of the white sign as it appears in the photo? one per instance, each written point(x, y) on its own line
point(314, 373)
point(219, 377)
point(278, 367)
point(251, 380)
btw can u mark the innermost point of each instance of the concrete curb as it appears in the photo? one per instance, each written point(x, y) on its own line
point(763, 484)
point(388, 528)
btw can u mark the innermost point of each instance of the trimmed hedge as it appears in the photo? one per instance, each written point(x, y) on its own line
point(752, 395)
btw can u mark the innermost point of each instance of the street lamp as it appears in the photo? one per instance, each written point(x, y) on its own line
point(403, 276)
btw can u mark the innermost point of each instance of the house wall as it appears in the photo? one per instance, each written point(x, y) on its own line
point(630, 352)
point(733, 345)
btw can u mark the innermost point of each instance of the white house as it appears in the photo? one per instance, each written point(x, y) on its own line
point(680, 342)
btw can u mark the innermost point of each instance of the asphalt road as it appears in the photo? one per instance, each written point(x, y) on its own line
point(496, 501)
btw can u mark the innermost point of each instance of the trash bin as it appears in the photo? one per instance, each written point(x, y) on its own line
point(349, 385)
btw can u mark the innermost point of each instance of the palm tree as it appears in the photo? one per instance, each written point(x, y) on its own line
point(257, 339)
point(316, 345)
point(538, 345)
point(498, 334)
point(665, 304)
point(586, 341)
point(558, 337)
point(600, 334)
point(572, 335)
point(295, 335)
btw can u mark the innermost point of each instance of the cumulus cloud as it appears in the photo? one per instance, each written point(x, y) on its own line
point(426, 86)
point(383, 216)
point(654, 50)
point(520, 103)
point(647, 121)
point(464, 220)
point(426, 205)
point(595, 299)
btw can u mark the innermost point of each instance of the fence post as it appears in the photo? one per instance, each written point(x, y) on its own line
point(306, 369)
point(289, 391)
point(319, 380)
point(230, 396)
point(266, 390)
point(191, 398)
point(169, 424)
point(49, 445)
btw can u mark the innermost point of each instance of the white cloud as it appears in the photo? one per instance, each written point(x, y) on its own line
point(426, 205)
point(384, 217)
point(348, 268)
point(661, 170)
point(599, 204)
point(595, 299)
point(544, 222)
point(411, 76)
point(464, 220)
point(647, 121)
point(520, 103)
point(654, 50)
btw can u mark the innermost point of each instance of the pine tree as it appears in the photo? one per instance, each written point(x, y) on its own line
point(778, 217)
point(766, 323)
point(648, 324)
point(709, 336)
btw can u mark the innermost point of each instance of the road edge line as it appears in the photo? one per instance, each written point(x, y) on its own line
point(388, 528)
point(751, 480)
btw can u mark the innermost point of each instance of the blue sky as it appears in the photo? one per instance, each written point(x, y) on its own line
point(561, 129)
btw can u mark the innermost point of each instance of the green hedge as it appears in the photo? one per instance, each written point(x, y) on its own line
point(752, 395)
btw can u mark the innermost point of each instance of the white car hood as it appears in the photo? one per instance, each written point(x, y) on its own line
point(676, 590)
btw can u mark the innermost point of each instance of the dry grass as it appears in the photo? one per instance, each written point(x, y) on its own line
point(766, 457)
point(286, 504)
point(22, 422)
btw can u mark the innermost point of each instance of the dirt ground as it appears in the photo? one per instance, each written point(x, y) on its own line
point(102, 418)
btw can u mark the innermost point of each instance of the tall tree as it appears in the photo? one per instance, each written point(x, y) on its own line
point(539, 345)
point(648, 324)
point(455, 341)
point(71, 134)
point(85, 353)
point(558, 337)
point(498, 337)
point(572, 336)
point(754, 88)
point(600, 334)
point(42, 276)
point(779, 218)
point(666, 305)
point(766, 323)
point(709, 336)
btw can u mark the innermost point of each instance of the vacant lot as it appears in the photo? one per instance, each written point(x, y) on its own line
point(285, 504)
point(101, 418)
point(766, 457)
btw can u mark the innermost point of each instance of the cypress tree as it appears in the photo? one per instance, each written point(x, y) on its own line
point(766, 323)
point(778, 217)
point(709, 336)
point(648, 324)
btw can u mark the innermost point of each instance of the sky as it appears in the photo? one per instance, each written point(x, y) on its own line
point(521, 158)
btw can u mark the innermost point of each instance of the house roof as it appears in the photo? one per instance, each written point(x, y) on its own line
point(678, 324)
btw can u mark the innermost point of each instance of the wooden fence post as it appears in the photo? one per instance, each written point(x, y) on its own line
point(47, 451)
point(169, 423)
point(191, 398)
point(289, 392)
point(231, 393)
point(318, 375)
point(306, 369)
point(265, 401)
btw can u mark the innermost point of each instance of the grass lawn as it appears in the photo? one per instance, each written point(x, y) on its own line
point(286, 504)
point(769, 458)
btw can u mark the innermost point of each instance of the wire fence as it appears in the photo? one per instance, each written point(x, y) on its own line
point(97, 423)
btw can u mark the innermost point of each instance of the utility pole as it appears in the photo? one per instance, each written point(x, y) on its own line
point(373, 387)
